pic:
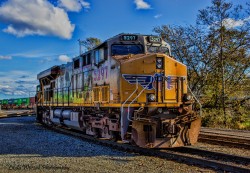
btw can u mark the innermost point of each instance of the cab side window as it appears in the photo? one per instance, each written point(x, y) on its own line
point(77, 64)
point(100, 55)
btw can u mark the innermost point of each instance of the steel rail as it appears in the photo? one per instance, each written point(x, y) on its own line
point(214, 155)
point(22, 114)
point(234, 141)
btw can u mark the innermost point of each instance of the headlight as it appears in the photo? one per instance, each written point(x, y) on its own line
point(159, 63)
point(159, 60)
point(151, 97)
point(158, 66)
point(187, 97)
point(159, 110)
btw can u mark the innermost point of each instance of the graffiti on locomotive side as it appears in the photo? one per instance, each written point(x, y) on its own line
point(100, 73)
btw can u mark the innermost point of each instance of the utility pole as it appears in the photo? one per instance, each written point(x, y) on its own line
point(80, 46)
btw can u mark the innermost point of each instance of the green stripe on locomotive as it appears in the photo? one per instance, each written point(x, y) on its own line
point(63, 98)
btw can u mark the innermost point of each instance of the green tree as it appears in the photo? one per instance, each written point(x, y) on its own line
point(190, 46)
point(216, 51)
point(90, 42)
point(229, 31)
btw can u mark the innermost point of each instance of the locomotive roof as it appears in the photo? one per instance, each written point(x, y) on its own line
point(118, 35)
point(51, 71)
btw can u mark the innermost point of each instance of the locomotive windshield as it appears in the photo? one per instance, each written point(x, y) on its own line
point(158, 49)
point(126, 49)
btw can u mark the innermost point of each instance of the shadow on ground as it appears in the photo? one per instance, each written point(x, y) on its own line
point(22, 136)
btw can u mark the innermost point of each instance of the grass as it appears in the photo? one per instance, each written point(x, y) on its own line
point(235, 118)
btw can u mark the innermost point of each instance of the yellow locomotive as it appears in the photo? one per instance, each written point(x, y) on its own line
point(128, 88)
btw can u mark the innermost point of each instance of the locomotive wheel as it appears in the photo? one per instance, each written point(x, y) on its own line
point(115, 136)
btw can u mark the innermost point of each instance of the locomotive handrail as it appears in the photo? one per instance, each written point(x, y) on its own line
point(122, 135)
point(136, 98)
point(165, 78)
point(130, 96)
point(195, 98)
point(65, 91)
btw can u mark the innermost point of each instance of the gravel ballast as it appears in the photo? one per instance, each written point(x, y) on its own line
point(28, 147)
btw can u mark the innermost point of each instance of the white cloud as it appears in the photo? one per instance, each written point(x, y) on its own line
point(15, 85)
point(46, 60)
point(19, 93)
point(85, 4)
point(35, 17)
point(5, 57)
point(140, 4)
point(41, 54)
point(231, 23)
point(4, 86)
point(73, 5)
point(158, 16)
point(64, 58)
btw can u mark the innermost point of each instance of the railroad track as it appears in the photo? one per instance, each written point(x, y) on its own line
point(214, 155)
point(16, 114)
point(220, 138)
point(187, 155)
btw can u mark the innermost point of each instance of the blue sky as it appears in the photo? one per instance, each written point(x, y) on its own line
point(37, 34)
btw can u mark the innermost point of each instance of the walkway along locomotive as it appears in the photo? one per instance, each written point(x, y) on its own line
point(128, 88)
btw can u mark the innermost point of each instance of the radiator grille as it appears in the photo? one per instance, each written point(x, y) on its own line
point(101, 94)
point(105, 93)
point(96, 96)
